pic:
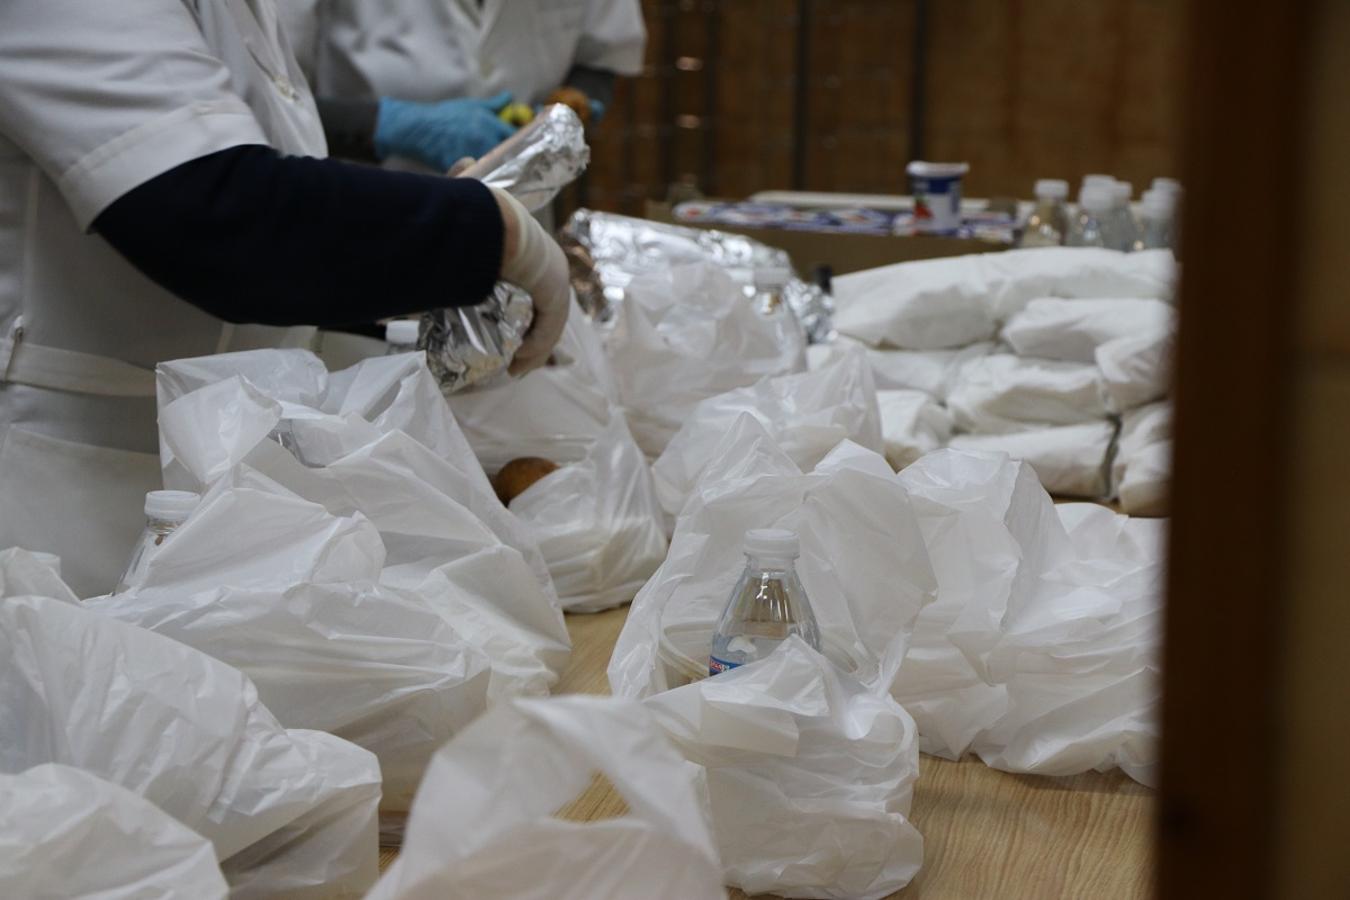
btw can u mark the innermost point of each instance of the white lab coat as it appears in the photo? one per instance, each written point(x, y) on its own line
point(441, 49)
point(95, 99)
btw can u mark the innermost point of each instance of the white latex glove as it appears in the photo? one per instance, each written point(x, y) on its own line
point(534, 262)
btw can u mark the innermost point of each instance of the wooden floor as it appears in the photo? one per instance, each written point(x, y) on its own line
point(987, 834)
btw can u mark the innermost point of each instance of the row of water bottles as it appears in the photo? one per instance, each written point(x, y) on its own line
point(1103, 217)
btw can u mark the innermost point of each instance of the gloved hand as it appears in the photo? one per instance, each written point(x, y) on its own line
point(534, 262)
point(438, 134)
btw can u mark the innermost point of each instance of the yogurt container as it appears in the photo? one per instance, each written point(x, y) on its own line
point(937, 195)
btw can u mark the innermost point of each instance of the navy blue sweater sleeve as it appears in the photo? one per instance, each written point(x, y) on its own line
point(254, 237)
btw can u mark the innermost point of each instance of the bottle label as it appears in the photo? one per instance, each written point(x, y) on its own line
point(718, 666)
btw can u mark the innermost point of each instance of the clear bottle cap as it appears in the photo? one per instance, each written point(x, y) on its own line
point(1052, 188)
point(1097, 198)
point(171, 506)
point(402, 331)
point(772, 543)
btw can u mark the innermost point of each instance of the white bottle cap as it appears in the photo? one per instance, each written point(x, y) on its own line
point(1097, 198)
point(1052, 189)
point(1123, 191)
point(742, 275)
point(1158, 204)
point(171, 506)
point(1098, 179)
point(402, 331)
point(1168, 185)
point(772, 543)
point(772, 276)
point(922, 168)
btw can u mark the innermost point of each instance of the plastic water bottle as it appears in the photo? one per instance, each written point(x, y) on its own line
point(1123, 230)
point(164, 512)
point(1157, 213)
point(768, 605)
point(1092, 227)
point(1048, 224)
point(400, 336)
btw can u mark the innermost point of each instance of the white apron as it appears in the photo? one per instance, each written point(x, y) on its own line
point(80, 329)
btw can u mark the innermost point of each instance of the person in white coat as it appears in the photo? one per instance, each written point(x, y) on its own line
point(161, 176)
point(424, 80)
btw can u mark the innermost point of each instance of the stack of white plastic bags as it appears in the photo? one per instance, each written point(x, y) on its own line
point(1037, 353)
point(959, 610)
point(595, 519)
point(153, 722)
point(348, 554)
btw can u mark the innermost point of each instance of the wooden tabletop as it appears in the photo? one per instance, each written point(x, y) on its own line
point(987, 834)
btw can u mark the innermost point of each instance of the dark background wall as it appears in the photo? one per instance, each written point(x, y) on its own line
point(745, 95)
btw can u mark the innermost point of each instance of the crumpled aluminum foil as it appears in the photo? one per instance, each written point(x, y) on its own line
point(607, 251)
point(468, 345)
point(475, 344)
point(539, 160)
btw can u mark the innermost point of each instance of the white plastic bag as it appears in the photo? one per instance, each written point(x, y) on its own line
point(686, 333)
point(1145, 490)
point(290, 813)
point(990, 531)
point(941, 303)
point(376, 439)
point(1041, 651)
point(482, 823)
point(66, 834)
point(862, 561)
point(1143, 467)
point(924, 305)
point(1070, 460)
point(807, 414)
point(596, 520)
point(912, 424)
point(1002, 393)
point(1080, 658)
point(1140, 428)
point(1072, 330)
point(288, 594)
point(931, 371)
point(809, 776)
point(37, 574)
point(1136, 369)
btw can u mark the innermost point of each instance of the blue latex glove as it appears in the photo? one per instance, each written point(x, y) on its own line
point(440, 134)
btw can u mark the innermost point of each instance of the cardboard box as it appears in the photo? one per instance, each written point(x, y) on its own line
point(843, 253)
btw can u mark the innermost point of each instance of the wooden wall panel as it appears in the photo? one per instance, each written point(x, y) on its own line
point(1054, 88)
point(1020, 88)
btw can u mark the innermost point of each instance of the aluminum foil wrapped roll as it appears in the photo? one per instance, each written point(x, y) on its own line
point(469, 345)
point(474, 344)
point(607, 251)
point(539, 160)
